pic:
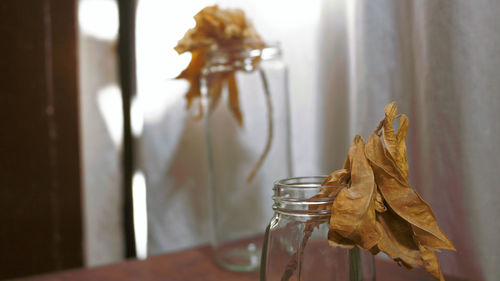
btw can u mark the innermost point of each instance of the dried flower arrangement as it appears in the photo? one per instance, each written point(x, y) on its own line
point(375, 207)
point(229, 30)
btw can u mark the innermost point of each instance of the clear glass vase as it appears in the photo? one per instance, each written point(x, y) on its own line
point(244, 157)
point(296, 240)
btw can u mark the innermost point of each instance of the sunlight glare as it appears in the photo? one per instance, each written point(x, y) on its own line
point(109, 102)
point(99, 19)
point(136, 116)
point(140, 214)
point(160, 24)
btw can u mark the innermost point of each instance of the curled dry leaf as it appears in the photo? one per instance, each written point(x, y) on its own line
point(379, 202)
point(226, 29)
point(234, 103)
point(400, 196)
point(379, 210)
point(395, 142)
point(214, 83)
point(193, 75)
point(353, 211)
point(337, 240)
point(338, 177)
point(431, 263)
point(397, 241)
point(331, 187)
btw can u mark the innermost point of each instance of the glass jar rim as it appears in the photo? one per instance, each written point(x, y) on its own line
point(296, 196)
point(247, 49)
point(303, 184)
point(244, 56)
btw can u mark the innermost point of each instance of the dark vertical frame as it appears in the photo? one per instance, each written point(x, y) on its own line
point(128, 85)
point(40, 187)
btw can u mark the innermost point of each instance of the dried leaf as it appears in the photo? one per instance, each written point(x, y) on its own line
point(388, 132)
point(379, 202)
point(338, 177)
point(333, 184)
point(233, 101)
point(430, 241)
point(407, 227)
point(353, 211)
point(193, 74)
point(336, 240)
point(400, 196)
point(227, 29)
point(431, 263)
point(214, 90)
point(331, 187)
point(395, 142)
point(401, 147)
point(397, 239)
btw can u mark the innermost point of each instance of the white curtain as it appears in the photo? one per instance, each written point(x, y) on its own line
point(438, 59)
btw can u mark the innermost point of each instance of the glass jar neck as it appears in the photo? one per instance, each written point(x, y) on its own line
point(296, 197)
point(245, 57)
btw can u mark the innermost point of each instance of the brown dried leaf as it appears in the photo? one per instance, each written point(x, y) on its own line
point(395, 142)
point(401, 147)
point(397, 239)
point(215, 83)
point(331, 187)
point(431, 263)
point(226, 28)
point(407, 227)
point(338, 177)
point(353, 211)
point(193, 74)
point(430, 241)
point(400, 196)
point(233, 101)
point(379, 202)
point(336, 240)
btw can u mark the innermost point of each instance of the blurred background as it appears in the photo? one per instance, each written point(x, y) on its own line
point(93, 122)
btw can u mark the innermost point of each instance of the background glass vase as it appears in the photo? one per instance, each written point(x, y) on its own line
point(240, 208)
point(296, 241)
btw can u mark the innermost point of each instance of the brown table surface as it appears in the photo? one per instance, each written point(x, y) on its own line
point(196, 264)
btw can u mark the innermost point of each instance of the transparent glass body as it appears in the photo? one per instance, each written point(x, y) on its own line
point(296, 240)
point(240, 208)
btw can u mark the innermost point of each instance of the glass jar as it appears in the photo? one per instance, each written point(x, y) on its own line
point(239, 197)
point(296, 240)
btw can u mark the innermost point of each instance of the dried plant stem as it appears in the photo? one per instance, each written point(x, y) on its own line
point(296, 259)
point(355, 270)
point(269, 127)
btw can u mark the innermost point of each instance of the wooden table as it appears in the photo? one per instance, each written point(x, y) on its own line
point(196, 264)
